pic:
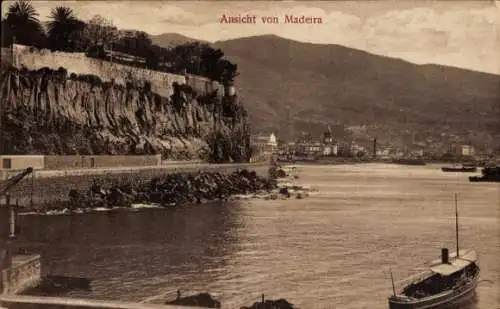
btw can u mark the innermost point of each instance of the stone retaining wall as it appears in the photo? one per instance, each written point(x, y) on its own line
point(54, 186)
point(66, 162)
point(24, 273)
point(78, 63)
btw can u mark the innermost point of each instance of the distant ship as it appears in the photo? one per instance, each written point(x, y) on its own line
point(463, 168)
point(448, 281)
point(409, 161)
point(489, 174)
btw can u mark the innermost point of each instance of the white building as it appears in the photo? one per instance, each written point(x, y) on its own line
point(265, 143)
point(331, 150)
point(273, 141)
point(417, 153)
point(467, 150)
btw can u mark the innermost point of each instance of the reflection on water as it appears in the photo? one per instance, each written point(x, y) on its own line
point(130, 255)
point(331, 250)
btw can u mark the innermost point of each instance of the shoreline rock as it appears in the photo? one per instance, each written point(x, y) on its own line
point(171, 190)
point(272, 304)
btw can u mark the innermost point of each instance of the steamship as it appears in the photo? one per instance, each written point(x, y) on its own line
point(447, 282)
point(464, 168)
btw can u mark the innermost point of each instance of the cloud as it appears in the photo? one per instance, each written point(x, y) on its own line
point(465, 38)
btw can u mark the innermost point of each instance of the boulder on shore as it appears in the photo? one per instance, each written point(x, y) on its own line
point(198, 300)
point(271, 304)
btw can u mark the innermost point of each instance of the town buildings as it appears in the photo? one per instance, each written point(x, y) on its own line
point(264, 143)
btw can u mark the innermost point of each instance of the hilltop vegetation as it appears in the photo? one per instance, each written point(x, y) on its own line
point(43, 112)
point(96, 37)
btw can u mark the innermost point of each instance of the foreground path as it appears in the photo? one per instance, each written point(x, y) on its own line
point(18, 301)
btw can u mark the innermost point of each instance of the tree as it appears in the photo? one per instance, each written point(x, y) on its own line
point(65, 31)
point(152, 59)
point(188, 57)
point(22, 23)
point(100, 32)
point(210, 59)
point(143, 44)
point(227, 71)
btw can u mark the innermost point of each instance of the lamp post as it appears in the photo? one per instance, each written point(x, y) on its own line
point(8, 234)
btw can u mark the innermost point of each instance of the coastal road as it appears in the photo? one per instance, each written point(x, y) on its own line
point(18, 301)
point(174, 166)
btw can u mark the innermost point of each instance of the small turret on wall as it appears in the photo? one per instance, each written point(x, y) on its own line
point(229, 90)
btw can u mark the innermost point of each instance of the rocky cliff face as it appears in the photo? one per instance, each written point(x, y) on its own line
point(45, 112)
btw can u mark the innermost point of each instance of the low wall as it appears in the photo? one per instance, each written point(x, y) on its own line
point(78, 63)
point(12, 165)
point(54, 186)
point(21, 162)
point(68, 162)
point(24, 273)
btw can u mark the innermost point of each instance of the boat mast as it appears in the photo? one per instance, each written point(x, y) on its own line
point(393, 288)
point(456, 223)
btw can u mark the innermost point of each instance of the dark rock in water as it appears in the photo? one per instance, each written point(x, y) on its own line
point(276, 172)
point(272, 304)
point(198, 300)
point(285, 191)
point(282, 173)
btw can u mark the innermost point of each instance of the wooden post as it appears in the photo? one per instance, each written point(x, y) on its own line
point(393, 287)
point(32, 188)
point(456, 223)
point(12, 221)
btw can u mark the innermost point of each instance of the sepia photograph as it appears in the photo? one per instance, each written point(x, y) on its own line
point(250, 154)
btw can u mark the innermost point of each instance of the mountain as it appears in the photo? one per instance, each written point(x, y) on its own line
point(333, 84)
point(167, 40)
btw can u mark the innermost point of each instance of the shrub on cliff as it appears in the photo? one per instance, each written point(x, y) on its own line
point(91, 79)
point(228, 148)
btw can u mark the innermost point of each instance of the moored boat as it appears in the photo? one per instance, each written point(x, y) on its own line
point(447, 282)
point(489, 174)
point(409, 161)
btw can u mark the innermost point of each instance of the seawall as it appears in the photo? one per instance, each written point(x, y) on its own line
point(44, 187)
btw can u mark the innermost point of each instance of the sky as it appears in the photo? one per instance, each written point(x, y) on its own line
point(463, 34)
